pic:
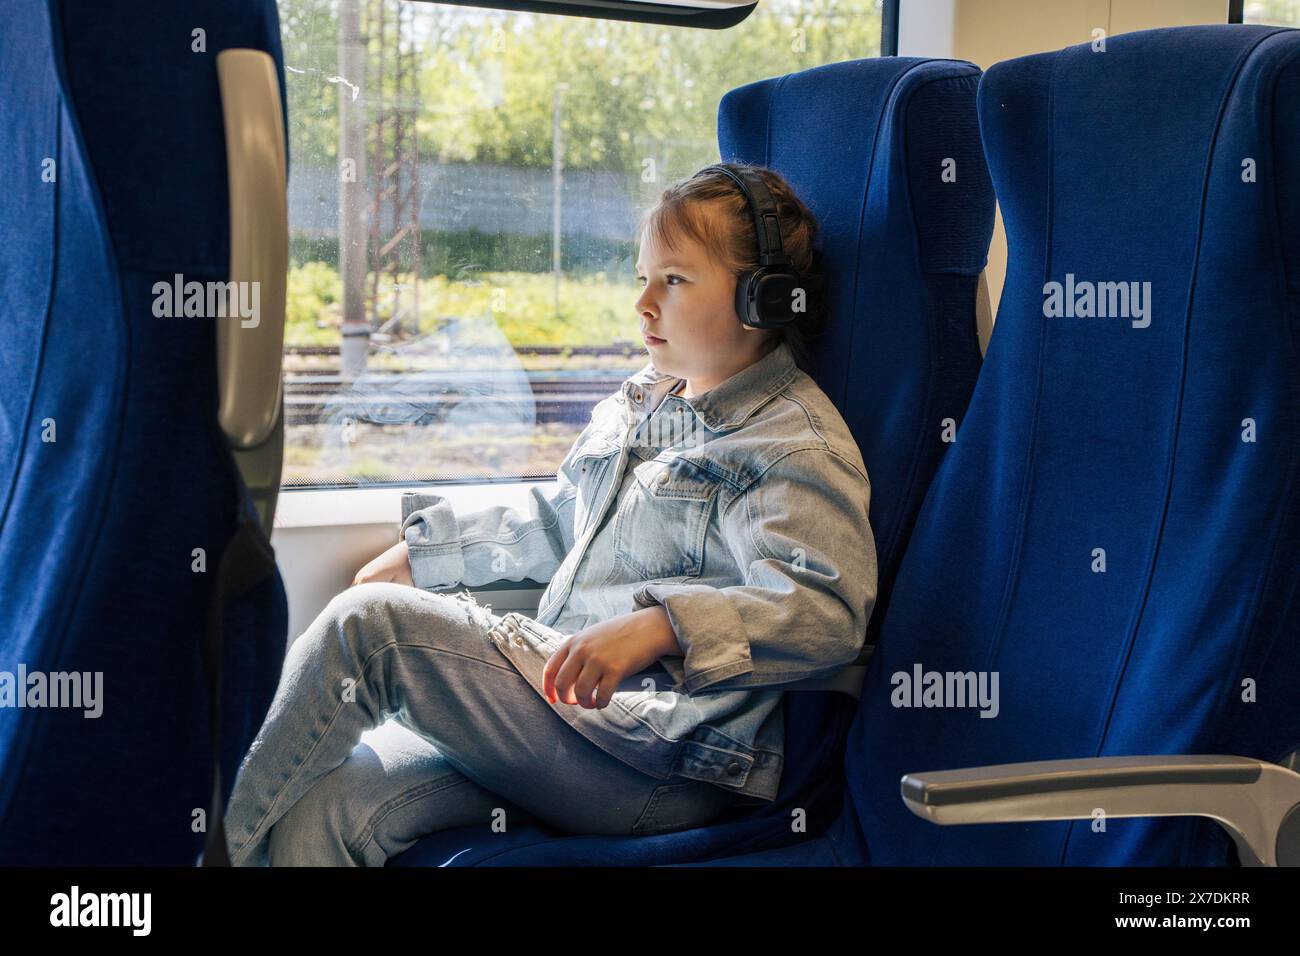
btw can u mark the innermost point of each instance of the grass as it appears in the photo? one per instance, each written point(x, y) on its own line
point(519, 306)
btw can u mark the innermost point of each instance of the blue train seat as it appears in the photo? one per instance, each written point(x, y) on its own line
point(886, 153)
point(114, 472)
point(1115, 532)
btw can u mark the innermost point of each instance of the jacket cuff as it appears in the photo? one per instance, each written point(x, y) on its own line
point(432, 537)
point(708, 629)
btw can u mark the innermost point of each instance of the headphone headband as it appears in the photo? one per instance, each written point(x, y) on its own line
point(767, 225)
point(763, 296)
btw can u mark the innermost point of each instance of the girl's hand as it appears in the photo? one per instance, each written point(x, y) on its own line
point(604, 654)
point(393, 565)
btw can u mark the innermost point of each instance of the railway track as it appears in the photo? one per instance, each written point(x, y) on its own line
point(425, 396)
point(618, 348)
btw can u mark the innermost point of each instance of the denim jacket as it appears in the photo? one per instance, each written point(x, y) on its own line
point(743, 511)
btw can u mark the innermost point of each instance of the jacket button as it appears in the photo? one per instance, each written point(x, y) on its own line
point(663, 478)
point(734, 768)
point(637, 396)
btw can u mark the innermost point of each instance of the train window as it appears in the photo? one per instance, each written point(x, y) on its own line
point(1283, 13)
point(464, 184)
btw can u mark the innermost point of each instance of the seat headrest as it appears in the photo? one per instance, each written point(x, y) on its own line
point(886, 154)
point(152, 124)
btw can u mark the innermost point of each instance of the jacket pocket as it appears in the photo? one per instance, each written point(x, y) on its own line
point(662, 521)
point(591, 454)
point(586, 468)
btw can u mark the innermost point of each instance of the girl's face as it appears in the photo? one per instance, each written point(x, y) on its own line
point(688, 316)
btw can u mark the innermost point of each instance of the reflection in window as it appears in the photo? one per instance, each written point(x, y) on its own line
point(463, 188)
point(1284, 13)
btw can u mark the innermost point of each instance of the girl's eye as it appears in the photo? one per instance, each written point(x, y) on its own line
point(676, 277)
point(641, 279)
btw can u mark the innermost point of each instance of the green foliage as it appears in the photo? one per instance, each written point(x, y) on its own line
point(595, 309)
point(311, 308)
point(488, 80)
point(309, 39)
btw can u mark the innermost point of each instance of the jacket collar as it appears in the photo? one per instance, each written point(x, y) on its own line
point(728, 404)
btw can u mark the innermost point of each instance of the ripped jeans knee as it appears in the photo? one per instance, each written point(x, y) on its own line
point(480, 614)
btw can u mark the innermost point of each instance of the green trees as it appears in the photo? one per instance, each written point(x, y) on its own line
point(635, 91)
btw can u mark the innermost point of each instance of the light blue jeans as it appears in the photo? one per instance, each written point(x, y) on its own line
point(330, 780)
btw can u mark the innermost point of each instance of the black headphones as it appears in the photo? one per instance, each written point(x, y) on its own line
point(764, 297)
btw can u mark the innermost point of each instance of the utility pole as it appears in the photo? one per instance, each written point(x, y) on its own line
point(395, 199)
point(353, 195)
point(557, 186)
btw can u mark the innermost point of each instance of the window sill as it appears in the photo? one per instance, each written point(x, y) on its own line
point(335, 507)
point(322, 536)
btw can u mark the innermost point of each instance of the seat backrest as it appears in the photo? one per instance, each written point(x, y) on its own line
point(118, 493)
point(1115, 532)
point(886, 153)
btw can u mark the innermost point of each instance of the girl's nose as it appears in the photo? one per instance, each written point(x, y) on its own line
point(643, 306)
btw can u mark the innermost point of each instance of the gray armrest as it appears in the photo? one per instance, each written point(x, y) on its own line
point(1258, 803)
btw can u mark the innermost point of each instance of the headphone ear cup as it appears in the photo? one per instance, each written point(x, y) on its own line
point(743, 310)
point(768, 298)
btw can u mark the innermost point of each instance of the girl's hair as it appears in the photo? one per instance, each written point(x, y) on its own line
point(680, 211)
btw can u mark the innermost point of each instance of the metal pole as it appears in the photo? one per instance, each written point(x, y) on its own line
point(352, 192)
point(557, 186)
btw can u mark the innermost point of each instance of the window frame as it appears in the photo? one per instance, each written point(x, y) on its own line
point(317, 507)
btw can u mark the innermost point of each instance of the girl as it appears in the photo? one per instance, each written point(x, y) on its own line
point(706, 542)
